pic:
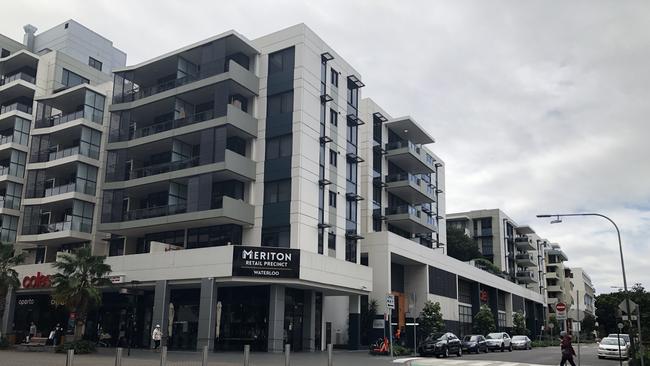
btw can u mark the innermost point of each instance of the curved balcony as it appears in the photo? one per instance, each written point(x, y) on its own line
point(524, 243)
point(410, 188)
point(58, 232)
point(525, 277)
point(48, 156)
point(60, 119)
point(15, 107)
point(525, 260)
point(18, 76)
point(410, 157)
point(410, 218)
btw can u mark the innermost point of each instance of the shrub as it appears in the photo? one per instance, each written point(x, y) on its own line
point(546, 343)
point(80, 347)
point(401, 351)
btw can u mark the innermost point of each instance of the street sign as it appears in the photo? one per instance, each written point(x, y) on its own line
point(620, 325)
point(390, 301)
point(560, 311)
point(623, 306)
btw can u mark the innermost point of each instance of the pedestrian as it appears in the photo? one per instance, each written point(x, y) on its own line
point(32, 332)
point(58, 332)
point(567, 350)
point(156, 335)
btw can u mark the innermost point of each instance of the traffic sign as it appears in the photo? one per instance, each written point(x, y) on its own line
point(560, 311)
point(623, 306)
point(390, 301)
point(560, 306)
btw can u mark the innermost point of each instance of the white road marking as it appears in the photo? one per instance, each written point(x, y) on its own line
point(435, 361)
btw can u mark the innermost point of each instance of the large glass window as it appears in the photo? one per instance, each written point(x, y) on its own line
point(351, 250)
point(214, 236)
point(12, 196)
point(465, 319)
point(277, 191)
point(276, 237)
point(70, 79)
point(94, 107)
point(82, 216)
point(280, 103)
point(90, 142)
point(94, 63)
point(278, 147)
point(17, 163)
point(281, 61)
point(21, 131)
point(86, 181)
point(8, 228)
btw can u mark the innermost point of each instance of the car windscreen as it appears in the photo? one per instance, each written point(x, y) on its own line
point(494, 336)
point(612, 341)
point(519, 338)
point(436, 337)
point(470, 339)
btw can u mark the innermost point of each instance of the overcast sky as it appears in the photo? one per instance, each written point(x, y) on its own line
point(536, 106)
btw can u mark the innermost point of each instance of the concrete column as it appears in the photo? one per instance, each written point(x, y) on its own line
point(160, 314)
point(7, 325)
point(509, 311)
point(207, 314)
point(309, 321)
point(354, 322)
point(276, 319)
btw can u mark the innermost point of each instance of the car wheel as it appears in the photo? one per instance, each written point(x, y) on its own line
point(445, 352)
point(503, 347)
point(510, 348)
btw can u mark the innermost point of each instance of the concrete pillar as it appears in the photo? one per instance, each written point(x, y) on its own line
point(7, 325)
point(207, 314)
point(309, 321)
point(276, 319)
point(509, 311)
point(160, 314)
point(354, 322)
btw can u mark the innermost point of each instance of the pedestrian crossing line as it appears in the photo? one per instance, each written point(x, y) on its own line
point(436, 361)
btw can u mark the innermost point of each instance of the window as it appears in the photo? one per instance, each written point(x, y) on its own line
point(86, 179)
point(214, 236)
point(331, 241)
point(281, 61)
point(333, 157)
point(94, 107)
point(465, 319)
point(276, 237)
point(116, 247)
point(277, 191)
point(351, 211)
point(4, 53)
point(351, 250)
point(335, 78)
point(94, 63)
point(502, 319)
point(334, 117)
point(332, 197)
point(280, 104)
point(9, 227)
point(278, 147)
point(70, 79)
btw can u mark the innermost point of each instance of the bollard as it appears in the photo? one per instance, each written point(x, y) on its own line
point(287, 352)
point(69, 361)
point(330, 359)
point(247, 354)
point(118, 356)
point(163, 356)
point(204, 362)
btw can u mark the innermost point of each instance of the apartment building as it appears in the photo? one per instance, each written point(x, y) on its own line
point(583, 296)
point(514, 249)
point(243, 192)
point(559, 283)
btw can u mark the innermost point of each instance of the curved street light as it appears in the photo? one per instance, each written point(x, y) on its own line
point(620, 248)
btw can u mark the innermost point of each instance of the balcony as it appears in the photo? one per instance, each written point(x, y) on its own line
point(18, 76)
point(57, 233)
point(551, 276)
point(61, 119)
point(17, 86)
point(19, 107)
point(525, 277)
point(226, 210)
point(525, 260)
point(410, 218)
point(410, 157)
point(410, 188)
point(555, 288)
point(557, 254)
point(524, 243)
point(48, 156)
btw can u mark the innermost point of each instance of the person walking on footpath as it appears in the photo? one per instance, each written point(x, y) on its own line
point(156, 335)
point(32, 332)
point(567, 350)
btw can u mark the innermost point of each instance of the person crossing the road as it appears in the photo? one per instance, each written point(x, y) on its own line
point(567, 350)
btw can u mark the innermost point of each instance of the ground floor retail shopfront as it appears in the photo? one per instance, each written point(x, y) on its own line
point(223, 313)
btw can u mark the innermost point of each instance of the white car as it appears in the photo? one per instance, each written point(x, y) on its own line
point(611, 347)
point(521, 342)
point(500, 340)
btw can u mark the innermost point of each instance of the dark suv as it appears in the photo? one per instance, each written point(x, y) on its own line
point(441, 344)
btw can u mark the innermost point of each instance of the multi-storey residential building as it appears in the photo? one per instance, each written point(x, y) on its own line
point(559, 285)
point(243, 192)
point(584, 294)
point(512, 248)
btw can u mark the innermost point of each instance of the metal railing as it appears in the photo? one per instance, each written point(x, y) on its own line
point(18, 76)
point(58, 119)
point(208, 69)
point(151, 212)
point(45, 156)
point(74, 224)
point(413, 148)
point(402, 209)
point(13, 203)
point(16, 107)
point(171, 124)
point(89, 188)
point(162, 168)
point(6, 139)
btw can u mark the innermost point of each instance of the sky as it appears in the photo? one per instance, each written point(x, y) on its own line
point(536, 106)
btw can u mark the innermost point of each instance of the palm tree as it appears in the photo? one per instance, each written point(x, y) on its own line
point(8, 275)
point(78, 284)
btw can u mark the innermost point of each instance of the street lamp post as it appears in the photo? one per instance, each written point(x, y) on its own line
point(620, 248)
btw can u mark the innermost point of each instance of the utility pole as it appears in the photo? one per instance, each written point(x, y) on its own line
point(579, 323)
point(638, 327)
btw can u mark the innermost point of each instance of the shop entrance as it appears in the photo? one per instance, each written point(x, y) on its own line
point(40, 309)
point(294, 307)
point(242, 318)
point(122, 319)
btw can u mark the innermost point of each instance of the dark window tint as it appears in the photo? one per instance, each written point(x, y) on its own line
point(94, 63)
point(331, 241)
point(277, 191)
point(69, 78)
point(335, 78)
point(333, 157)
point(278, 147)
point(4, 53)
point(281, 61)
point(280, 103)
point(334, 117)
point(332, 197)
point(276, 237)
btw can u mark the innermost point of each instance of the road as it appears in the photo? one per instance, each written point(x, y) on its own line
point(536, 356)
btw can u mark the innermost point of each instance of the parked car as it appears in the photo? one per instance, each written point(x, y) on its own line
point(609, 348)
point(474, 343)
point(622, 335)
point(500, 340)
point(521, 342)
point(441, 344)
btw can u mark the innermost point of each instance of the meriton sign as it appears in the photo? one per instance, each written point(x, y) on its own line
point(265, 262)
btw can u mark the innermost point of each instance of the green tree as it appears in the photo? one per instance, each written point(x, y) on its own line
point(484, 320)
point(461, 246)
point(488, 266)
point(8, 275)
point(368, 315)
point(430, 319)
point(588, 325)
point(519, 324)
point(78, 282)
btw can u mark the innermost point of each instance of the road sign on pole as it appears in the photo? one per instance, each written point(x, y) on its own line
point(623, 307)
point(560, 311)
point(390, 301)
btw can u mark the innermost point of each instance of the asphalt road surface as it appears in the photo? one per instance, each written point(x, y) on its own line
point(536, 356)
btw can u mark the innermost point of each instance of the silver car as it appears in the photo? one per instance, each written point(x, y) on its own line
point(613, 347)
point(521, 342)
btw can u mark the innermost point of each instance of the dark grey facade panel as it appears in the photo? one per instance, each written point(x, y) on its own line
point(277, 169)
point(276, 214)
point(442, 283)
point(397, 277)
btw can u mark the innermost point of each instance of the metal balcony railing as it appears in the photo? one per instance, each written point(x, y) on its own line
point(151, 212)
point(171, 124)
point(88, 188)
point(18, 76)
point(74, 225)
point(61, 119)
point(45, 156)
point(16, 107)
point(162, 168)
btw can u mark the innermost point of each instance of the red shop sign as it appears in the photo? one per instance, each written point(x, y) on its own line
point(38, 281)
